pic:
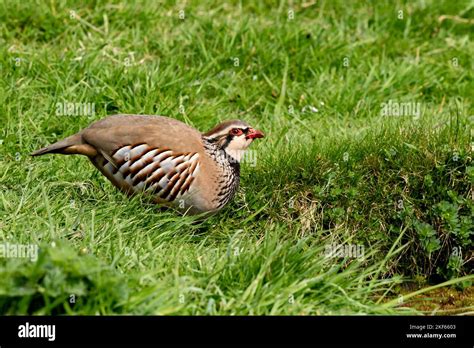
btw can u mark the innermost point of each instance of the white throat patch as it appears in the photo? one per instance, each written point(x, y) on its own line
point(236, 148)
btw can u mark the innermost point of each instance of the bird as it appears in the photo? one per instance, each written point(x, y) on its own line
point(173, 163)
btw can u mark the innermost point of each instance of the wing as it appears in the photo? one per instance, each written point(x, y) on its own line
point(114, 132)
point(159, 171)
point(147, 153)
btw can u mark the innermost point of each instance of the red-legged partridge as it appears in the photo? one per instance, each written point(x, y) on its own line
point(176, 164)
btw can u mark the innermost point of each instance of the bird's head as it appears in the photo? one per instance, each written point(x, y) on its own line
point(233, 137)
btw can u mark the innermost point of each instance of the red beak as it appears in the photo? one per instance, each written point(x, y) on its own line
point(254, 133)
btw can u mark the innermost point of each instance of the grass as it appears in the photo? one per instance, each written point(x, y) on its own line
point(333, 169)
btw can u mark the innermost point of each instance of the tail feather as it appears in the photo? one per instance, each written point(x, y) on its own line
point(70, 145)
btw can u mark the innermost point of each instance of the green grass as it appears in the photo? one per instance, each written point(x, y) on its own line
point(347, 174)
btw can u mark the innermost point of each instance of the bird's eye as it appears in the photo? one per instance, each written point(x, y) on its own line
point(236, 131)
